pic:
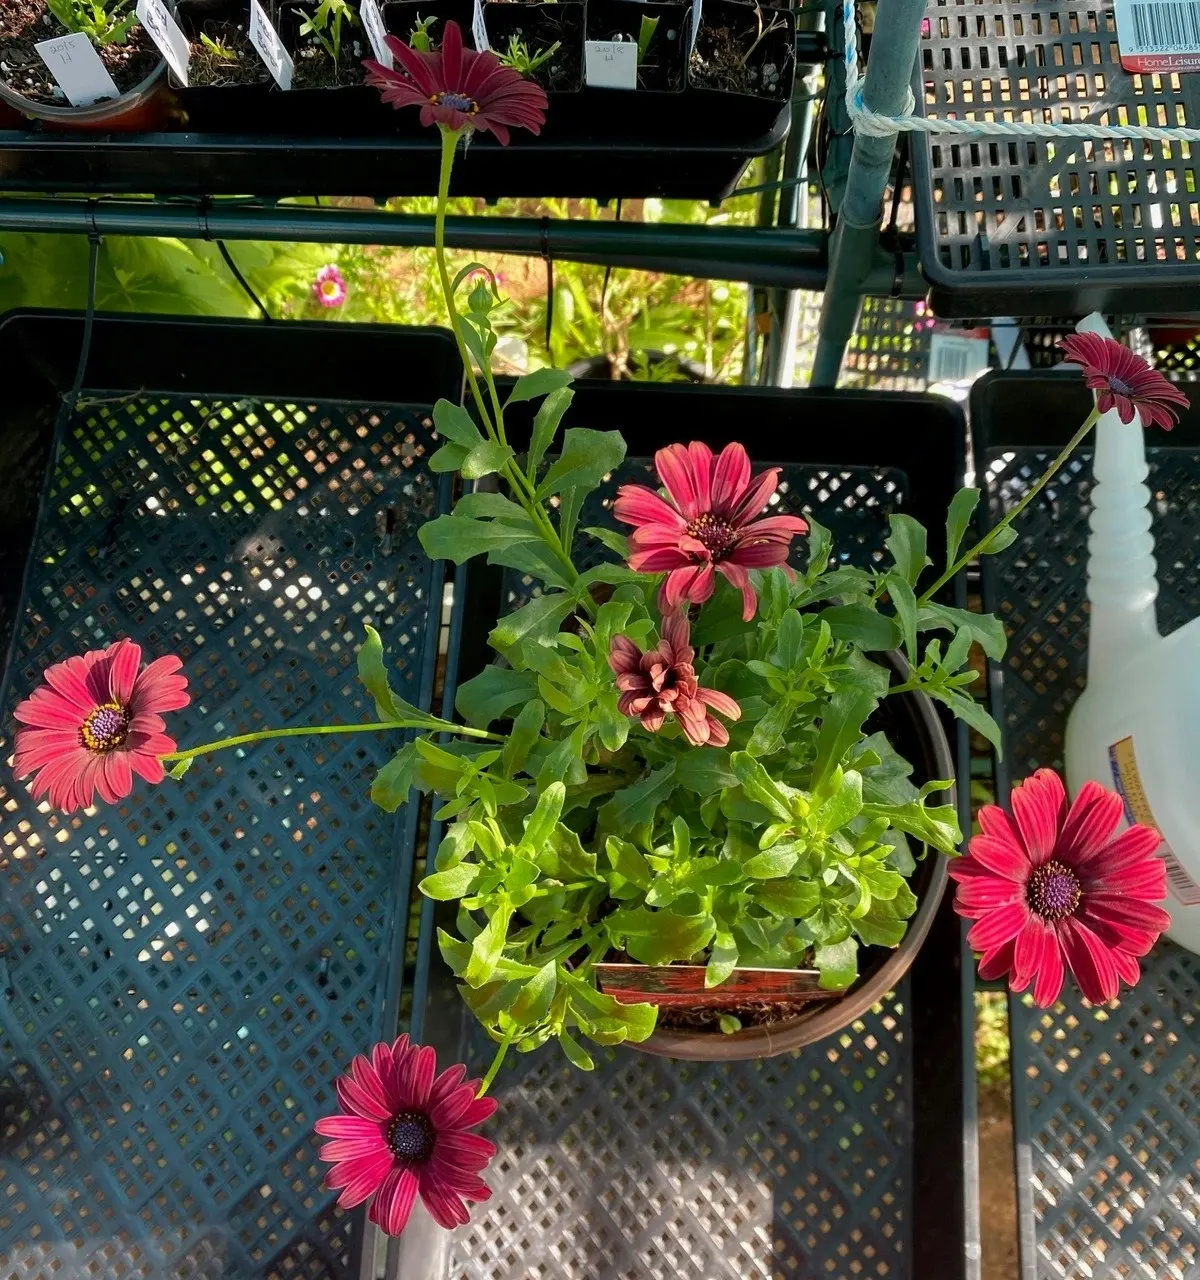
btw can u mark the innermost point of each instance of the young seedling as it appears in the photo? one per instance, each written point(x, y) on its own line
point(645, 35)
point(218, 48)
point(325, 25)
point(101, 23)
point(777, 22)
point(518, 57)
point(421, 37)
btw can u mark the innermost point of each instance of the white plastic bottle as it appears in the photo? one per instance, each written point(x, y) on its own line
point(1136, 726)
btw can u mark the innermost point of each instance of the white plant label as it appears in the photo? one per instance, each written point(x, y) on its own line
point(610, 64)
point(77, 69)
point(265, 39)
point(376, 32)
point(1158, 35)
point(479, 28)
point(955, 359)
point(164, 31)
point(697, 10)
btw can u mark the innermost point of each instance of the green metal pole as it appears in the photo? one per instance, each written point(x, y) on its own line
point(854, 248)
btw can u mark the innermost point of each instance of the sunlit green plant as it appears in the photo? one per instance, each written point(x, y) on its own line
point(101, 23)
point(325, 25)
point(518, 56)
point(421, 36)
point(218, 48)
point(645, 35)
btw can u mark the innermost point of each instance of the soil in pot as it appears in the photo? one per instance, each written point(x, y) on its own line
point(744, 48)
point(26, 23)
point(314, 66)
point(662, 66)
point(219, 38)
point(539, 27)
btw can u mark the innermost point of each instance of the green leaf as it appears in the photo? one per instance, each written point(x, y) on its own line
point(458, 538)
point(770, 865)
point(987, 629)
point(395, 780)
point(492, 693)
point(373, 675)
point(533, 559)
point(966, 708)
point(789, 648)
point(587, 457)
point(454, 423)
point(542, 616)
point(729, 1024)
point(936, 826)
point(722, 959)
point(616, 542)
point(486, 459)
point(820, 548)
point(838, 964)
point(180, 767)
point(787, 899)
point(612, 726)
point(448, 458)
point(564, 858)
point(532, 1005)
point(886, 923)
point(759, 785)
point(628, 861)
point(768, 732)
point(1000, 538)
point(841, 728)
point(525, 731)
point(544, 818)
point(704, 770)
point(479, 502)
point(842, 807)
point(576, 1055)
point(545, 425)
point(489, 943)
point(541, 382)
point(958, 521)
point(636, 806)
point(862, 625)
point(906, 542)
point(457, 882)
point(659, 937)
point(905, 603)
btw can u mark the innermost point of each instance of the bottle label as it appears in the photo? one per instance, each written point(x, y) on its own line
point(1128, 782)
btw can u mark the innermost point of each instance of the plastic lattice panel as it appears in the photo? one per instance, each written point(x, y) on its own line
point(798, 1165)
point(1006, 223)
point(185, 973)
point(1110, 1096)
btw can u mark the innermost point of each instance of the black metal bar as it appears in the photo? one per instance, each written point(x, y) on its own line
point(769, 256)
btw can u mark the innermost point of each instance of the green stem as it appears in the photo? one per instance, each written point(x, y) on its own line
point(967, 557)
point(310, 730)
point(497, 1063)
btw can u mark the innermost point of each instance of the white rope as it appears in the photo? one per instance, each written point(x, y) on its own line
point(873, 124)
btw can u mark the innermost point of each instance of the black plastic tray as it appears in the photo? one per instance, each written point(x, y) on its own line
point(1050, 226)
point(1104, 1101)
point(853, 1156)
point(346, 142)
point(183, 974)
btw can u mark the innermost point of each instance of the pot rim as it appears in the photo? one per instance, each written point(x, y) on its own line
point(97, 112)
point(823, 1018)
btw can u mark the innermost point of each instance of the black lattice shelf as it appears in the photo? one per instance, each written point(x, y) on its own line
point(186, 972)
point(1105, 1099)
point(1014, 226)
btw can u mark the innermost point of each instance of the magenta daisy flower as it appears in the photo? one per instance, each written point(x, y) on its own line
point(403, 1130)
point(709, 523)
point(95, 723)
point(329, 288)
point(662, 682)
point(1055, 884)
point(458, 89)
point(1121, 378)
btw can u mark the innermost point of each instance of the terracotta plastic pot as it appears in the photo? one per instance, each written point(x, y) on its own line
point(915, 730)
point(132, 110)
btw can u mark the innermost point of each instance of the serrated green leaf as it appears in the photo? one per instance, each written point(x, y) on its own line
point(395, 780)
point(480, 502)
point(457, 538)
point(704, 770)
point(987, 629)
point(525, 731)
point(905, 603)
point(974, 713)
point(487, 457)
point(374, 678)
point(659, 937)
point(545, 425)
point(544, 818)
point(636, 806)
point(958, 521)
point(488, 945)
point(820, 548)
point(628, 861)
point(906, 541)
point(540, 617)
point(453, 422)
point(541, 382)
point(493, 693)
point(862, 625)
point(841, 728)
point(587, 457)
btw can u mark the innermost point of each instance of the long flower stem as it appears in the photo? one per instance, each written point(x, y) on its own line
point(966, 558)
point(497, 1062)
point(312, 730)
point(522, 486)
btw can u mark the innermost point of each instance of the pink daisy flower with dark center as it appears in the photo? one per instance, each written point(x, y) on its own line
point(1055, 884)
point(403, 1130)
point(96, 722)
point(458, 89)
point(1121, 378)
point(708, 523)
point(662, 682)
point(329, 288)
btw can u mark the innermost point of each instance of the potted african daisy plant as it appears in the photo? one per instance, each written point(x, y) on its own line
point(688, 763)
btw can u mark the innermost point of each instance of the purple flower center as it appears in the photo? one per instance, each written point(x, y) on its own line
point(106, 728)
point(716, 534)
point(456, 102)
point(1121, 388)
point(410, 1136)
point(1054, 891)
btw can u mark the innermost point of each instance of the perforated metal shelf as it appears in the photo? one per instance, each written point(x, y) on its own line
point(843, 1160)
point(186, 972)
point(1105, 1099)
point(1015, 226)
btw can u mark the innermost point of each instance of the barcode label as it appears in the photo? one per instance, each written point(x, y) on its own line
point(955, 359)
point(1158, 35)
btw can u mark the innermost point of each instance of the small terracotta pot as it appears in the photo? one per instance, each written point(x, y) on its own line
point(917, 733)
